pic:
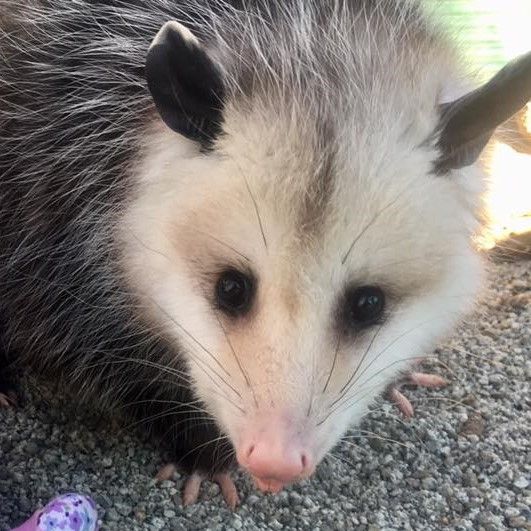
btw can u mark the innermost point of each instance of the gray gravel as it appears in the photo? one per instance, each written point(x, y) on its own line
point(463, 462)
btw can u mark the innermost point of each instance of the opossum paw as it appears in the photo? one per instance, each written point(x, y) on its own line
point(228, 489)
point(10, 394)
point(191, 488)
point(433, 381)
point(4, 401)
point(421, 379)
point(8, 399)
point(401, 402)
point(193, 484)
point(166, 472)
point(223, 479)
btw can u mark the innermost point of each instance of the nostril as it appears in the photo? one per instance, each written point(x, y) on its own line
point(250, 450)
point(304, 462)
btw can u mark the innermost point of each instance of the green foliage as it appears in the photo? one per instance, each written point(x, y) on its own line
point(492, 31)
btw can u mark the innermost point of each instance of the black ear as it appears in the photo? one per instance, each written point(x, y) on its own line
point(468, 123)
point(186, 85)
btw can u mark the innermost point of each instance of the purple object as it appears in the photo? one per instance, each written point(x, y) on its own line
point(70, 512)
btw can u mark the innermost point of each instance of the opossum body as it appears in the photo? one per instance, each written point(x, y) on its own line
point(236, 222)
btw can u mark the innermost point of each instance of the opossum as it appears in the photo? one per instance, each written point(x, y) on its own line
point(237, 223)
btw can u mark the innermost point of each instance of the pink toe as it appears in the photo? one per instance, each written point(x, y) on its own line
point(228, 489)
point(403, 404)
point(427, 380)
point(191, 489)
point(166, 472)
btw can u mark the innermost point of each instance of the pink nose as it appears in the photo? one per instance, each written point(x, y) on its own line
point(274, 466)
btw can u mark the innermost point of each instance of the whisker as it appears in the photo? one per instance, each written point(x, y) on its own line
point(454, 403)
point(367, 227)
point(388, 346)
point(342, 459)
point(163, 414)
point(196, 359)
point(204, 445)
point(400, 421)
point(236, 357)
point(181, 375)
point(214, 238)
point(312, 386)
point(365, 354)
point(257, 211)
point(349, 398)
point(333, 365)
point(174, 403)
point(363, 434)
point(361, 388)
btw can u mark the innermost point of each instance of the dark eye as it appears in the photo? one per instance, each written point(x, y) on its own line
point(365, 305)
point(234, 292)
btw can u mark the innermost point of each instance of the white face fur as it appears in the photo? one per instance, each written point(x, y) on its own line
point(323, 245)
point(293, 366)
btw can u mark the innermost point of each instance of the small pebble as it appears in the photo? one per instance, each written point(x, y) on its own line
point(518, 522)
point(474, 425)
point(521, 483)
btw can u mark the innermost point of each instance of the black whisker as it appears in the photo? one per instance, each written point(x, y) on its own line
point(256, 210)
point(333, 365)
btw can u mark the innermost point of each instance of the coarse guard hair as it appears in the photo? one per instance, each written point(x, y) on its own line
point(237, 223)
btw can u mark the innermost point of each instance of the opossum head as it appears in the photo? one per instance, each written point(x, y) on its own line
point(302, 229)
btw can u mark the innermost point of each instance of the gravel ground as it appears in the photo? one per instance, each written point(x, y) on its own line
point(463, 462)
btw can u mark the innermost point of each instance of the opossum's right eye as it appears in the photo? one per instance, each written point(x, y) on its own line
point(362, 307)
point(234, 292)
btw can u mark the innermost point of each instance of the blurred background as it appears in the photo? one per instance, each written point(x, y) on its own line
point(493, 32)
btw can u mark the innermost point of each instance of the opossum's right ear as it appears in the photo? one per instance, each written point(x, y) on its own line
point(468, 123)
point(185, 83)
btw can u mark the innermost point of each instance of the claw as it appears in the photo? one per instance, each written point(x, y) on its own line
point(421, 379)
point(193, 484)
point(228, 489)
point(4, 402)
point(191, 489)
point(8, 400)
point(223, 479)
point(401, 402)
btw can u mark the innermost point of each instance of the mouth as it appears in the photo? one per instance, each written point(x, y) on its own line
point(275, 483)
point(270, 485)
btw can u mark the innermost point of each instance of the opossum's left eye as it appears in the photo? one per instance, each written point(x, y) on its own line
point(364, 306)
point(234, 292)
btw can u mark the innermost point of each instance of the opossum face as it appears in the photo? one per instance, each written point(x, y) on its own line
point(300, 267)
point(293, 312)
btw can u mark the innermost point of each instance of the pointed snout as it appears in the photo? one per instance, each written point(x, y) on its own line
point(275, 459)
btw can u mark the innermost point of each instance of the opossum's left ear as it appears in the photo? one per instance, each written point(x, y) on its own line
point(186, 84)
point(468, 123)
